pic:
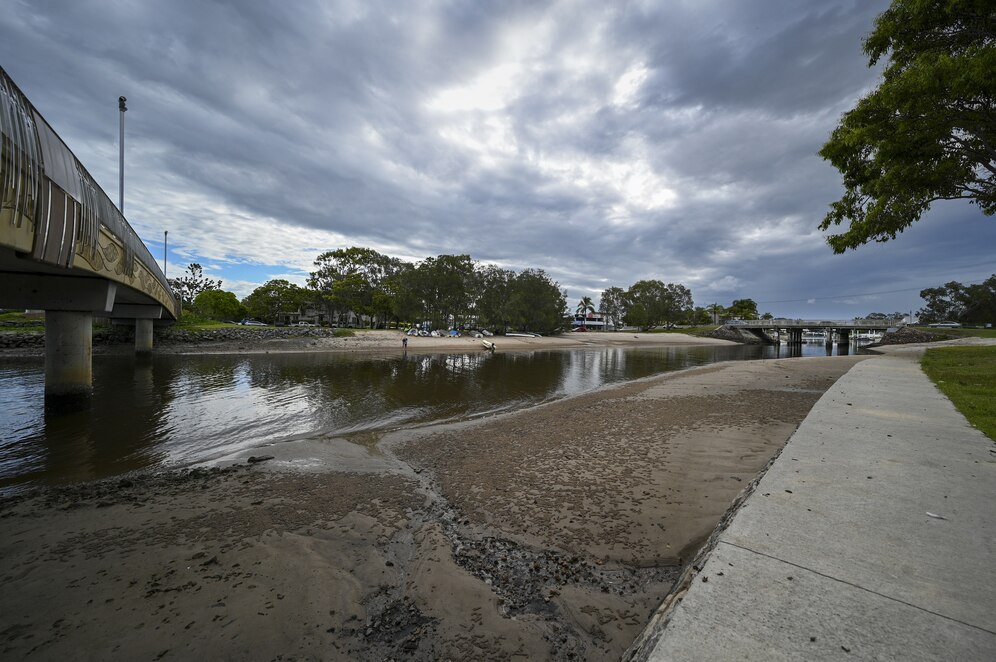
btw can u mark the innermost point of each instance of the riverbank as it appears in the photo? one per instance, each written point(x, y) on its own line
point(254, 340)
point(546, 533)
point(871, 537)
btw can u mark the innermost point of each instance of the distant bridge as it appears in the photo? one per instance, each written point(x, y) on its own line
point(66, 249)
point(794, 328)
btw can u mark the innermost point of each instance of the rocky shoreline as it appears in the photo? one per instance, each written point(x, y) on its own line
point(125, 336)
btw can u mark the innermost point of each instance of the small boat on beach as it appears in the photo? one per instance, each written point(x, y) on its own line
point(488, 345)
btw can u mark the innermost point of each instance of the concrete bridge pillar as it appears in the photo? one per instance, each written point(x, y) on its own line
point(843, 336)
point(68, 354)
point(143, 336)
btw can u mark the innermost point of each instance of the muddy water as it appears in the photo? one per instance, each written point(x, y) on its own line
point(181, 410)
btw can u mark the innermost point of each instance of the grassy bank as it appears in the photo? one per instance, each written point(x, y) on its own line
point(960, 332)
point(967, 375)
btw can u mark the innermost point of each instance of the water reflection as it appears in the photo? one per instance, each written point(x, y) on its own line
point(177, 410)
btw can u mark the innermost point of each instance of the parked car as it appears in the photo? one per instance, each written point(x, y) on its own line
point(305, 324)
point(251, 323)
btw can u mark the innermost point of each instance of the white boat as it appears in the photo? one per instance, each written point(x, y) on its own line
point(488, 345)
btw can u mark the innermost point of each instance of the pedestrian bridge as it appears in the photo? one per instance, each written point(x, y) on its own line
point(794, 328)
point(66, 249)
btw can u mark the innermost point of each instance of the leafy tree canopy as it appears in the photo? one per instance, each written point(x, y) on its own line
point(445, 287)
point(954, 302)
point(537, 303)
point(613, 305)
point(273, 297)
point(928, 132)
point(652, 303)
point(219, 305)
point(354, 279)
point(698, 316)
point(585, 306)
point(494, 286)
point(884, 316)
point(744, 309)
point(192, 283)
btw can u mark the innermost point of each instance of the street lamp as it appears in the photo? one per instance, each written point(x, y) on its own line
point(121, 108)
point(165, 244)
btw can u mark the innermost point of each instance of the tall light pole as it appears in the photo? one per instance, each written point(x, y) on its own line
point(122, 108)
point(165, 244)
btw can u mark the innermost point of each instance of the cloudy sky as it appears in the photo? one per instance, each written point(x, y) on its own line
point(604, 142)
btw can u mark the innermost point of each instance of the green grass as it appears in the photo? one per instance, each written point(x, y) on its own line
point(967, 375)
point(193, 322)
point(14, 316)
point(959, 332)
point(36, 325)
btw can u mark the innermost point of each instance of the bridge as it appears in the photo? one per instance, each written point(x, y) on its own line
point(794, 328)
point(66, 249)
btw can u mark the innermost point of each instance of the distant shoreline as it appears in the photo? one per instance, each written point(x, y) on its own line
point(289, 340)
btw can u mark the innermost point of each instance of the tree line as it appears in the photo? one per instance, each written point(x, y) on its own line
point(955, 302)
point(441, 291)
point(445, 291)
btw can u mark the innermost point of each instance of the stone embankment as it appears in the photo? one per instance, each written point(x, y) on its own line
point(907, 335)
point(119, 335)
point(174, 335)
point(735, 335)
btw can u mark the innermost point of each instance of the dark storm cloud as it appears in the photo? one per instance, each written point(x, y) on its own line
point(602, 142)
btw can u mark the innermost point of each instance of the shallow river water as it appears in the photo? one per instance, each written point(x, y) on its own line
point(174, 411)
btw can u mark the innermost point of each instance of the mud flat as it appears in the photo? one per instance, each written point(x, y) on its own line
point(548, 533)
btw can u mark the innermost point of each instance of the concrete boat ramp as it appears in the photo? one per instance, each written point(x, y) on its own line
point(871, 537)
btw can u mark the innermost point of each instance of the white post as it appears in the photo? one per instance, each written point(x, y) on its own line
point(121, 108)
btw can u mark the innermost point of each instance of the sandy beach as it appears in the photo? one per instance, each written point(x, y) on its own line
point(548, 533)
point(386, 340)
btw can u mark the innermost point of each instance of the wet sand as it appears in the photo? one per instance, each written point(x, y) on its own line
point(549, 533)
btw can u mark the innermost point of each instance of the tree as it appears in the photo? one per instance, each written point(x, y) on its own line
point(398, 288)
point(928, 132)
point(352, 279)
point(636, 315)
point(585, 306)
point(744, 309)
point(537, 303)
point(653, 303)
point(187, 287)
point(613, 305)
point(717, 311)
point(698, 316)
point(219, 305)
point(274, 297)
point(494, 286)
point(954, 302)
point(884, 316)
point(444, 286)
